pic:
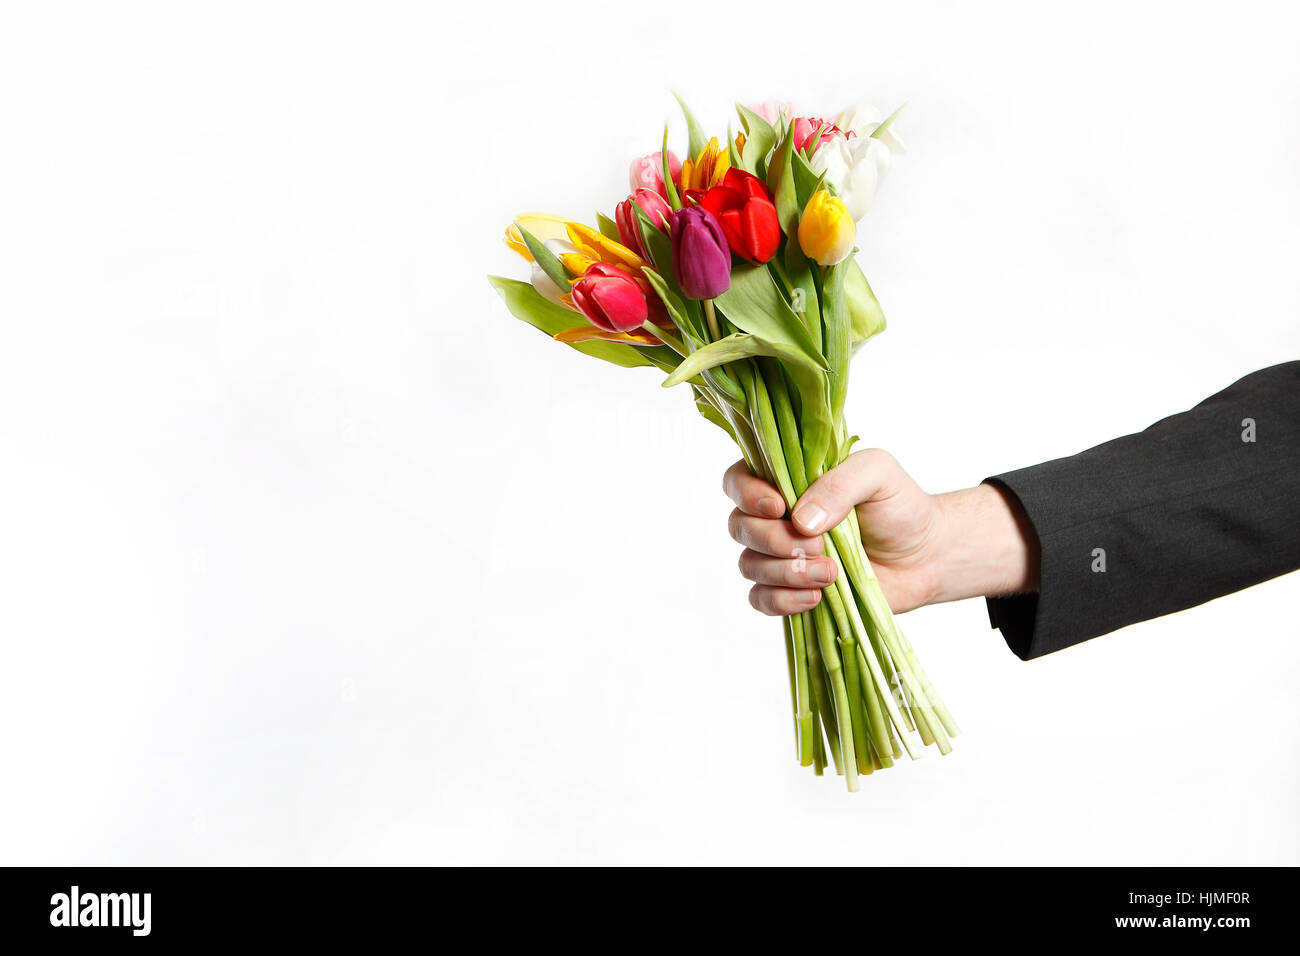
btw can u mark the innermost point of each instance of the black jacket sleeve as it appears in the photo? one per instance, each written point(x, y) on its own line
point(1199, 505)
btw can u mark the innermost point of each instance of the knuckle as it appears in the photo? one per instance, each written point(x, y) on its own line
point(774, 542)
point(736, 526)
point(747, 565)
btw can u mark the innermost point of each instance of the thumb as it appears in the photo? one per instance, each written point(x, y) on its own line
point(860, 477)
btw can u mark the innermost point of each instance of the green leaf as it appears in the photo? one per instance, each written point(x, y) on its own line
point(529, 305)
point(705, 408)
point(673, 199)
point(732, 155)
point(880, 130)
point(800, 288)
point(806, 182)
point(837, 335)
point(760, 137)
point(548, 260)
point(755, 304)
point(676, 308)
point(657, 244)
point(697, 139)
point(780, 179)
point(868, 318)
point(608, 227)
point(731, 348)
point(690, 325)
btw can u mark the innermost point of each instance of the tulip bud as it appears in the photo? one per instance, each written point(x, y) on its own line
point(826, 230)
point(773, 111)
point(701, 256)
point(610, 298)
point(805, 128)
point(629, 228)
point(647, 172)
point(743, 205)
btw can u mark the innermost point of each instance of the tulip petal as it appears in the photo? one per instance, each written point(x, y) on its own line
point(589, 333)
point(542, 225)
point(592, 244)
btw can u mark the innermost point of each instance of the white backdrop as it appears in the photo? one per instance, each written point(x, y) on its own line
point(310, 553)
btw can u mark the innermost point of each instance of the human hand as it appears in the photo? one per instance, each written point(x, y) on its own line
point(924, 548)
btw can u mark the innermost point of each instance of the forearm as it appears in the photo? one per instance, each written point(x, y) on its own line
point(1200, 504)
point(987, 546)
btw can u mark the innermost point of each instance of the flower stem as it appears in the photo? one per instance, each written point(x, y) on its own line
point(712, 318)
point(667, 338)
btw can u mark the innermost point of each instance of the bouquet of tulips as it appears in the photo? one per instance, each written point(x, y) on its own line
point(733, 272)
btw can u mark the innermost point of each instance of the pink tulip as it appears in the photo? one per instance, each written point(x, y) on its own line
point(629, 228)
point(805, 127)
point(610, 298)
point(772, 110)
point(648, 172)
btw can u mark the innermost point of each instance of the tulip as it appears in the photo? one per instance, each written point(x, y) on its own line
point(597, 247)
point(855, 168)
point(542, 226)
point(647, 172)
point(707, 169)
point(804, 128)
point(743, 205)
point(826, 230)
point(544, 283)
point(610, 299)
point(629, 227)
point(773, 111)
point(864, 119)
point(701, 256)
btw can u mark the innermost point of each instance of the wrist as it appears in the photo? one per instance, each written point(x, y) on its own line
point(987, 545)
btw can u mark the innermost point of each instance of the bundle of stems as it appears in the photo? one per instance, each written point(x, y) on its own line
point(856, 686)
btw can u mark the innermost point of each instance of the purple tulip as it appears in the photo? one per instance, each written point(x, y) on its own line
point(701, 256)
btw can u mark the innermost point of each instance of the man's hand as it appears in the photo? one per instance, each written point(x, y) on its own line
point(924, 548)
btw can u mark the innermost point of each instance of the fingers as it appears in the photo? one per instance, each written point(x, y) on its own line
point(752, 495)
point(861, 477)
point(787, 572)
point(773, 536)
point(780, 602)
point(784, 585)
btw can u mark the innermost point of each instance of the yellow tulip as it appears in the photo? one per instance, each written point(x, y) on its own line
point(599, 247)
point(826, 230)
point(707, 169)
point(542, 225)
point(576, 264)
point(589, 333)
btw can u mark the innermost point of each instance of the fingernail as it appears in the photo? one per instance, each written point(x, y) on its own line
point(820, 572)
point(810, 517)
point(812, 597)
point(770, 506)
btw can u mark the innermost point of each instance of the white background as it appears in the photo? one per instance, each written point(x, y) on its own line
point(310, 553)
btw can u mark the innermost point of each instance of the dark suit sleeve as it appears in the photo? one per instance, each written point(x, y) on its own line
point(1186, 511)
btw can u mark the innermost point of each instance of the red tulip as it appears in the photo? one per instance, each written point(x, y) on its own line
point(629, 228)
point(610, 298)
point(743, 204)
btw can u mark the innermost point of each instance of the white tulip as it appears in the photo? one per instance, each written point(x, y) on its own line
point(854, 166)
point(544, 283)
point(864, 119)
